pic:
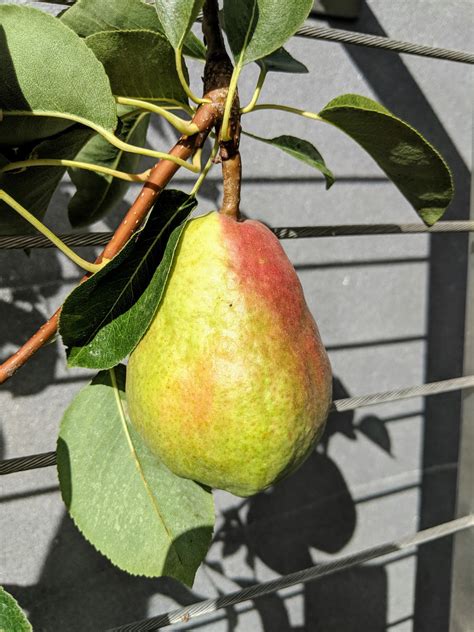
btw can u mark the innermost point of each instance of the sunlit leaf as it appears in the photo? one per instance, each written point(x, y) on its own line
point(12, 618)
point(139, 64)
point(46, 68)
point(87, 17)
point(177, 17)
point(138, 514)
point(301, 150)
point(256, 28)
point(408, 159)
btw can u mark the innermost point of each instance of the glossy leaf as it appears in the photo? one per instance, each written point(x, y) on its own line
point(12, 617)
point(34, 187)
point(96, 193)
point(281, 61)
point(301, 150)
point(256, 28)
point(87, 17)
point(408, 159)
point(139, 64)
point(42, 60)
point(103, 319)
point(136, 512)
point(177, 17)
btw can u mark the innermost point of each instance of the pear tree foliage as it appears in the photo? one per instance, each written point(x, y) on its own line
point(129, 62)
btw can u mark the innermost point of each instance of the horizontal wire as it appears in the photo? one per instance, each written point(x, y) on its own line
point(46, 459)
point(282, 232)
point(386, 43)
point(183, 615)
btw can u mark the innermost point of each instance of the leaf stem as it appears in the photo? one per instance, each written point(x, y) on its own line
point(188, 128)
point(34, 221)
point(62, 162)
point(182, 79)
point(258, 88)
point(205, 171)
point(226, 133)
point(109, 136)
point(287, 108)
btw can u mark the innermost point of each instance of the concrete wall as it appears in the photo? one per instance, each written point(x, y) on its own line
point(391, 312)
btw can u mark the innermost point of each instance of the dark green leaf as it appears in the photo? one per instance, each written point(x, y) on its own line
point(12, 618)
point(104, 318)
point(374, 429)
point(145, 519)
point(34, 187)
point(177, 17)
point(42, 60)
point(98, 193)
point(281, 61)
point(139, 64)
point(413, 165)
point(301, 150)
point(87, 17)
point(256, 28)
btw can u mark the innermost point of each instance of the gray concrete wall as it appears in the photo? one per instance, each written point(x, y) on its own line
point(391, 312)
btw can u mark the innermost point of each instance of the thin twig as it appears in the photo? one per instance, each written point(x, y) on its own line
point(207, 116)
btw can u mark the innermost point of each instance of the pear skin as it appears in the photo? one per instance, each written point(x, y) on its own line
point(231, 385)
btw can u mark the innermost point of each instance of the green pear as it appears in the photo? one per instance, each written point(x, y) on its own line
point(231, 385)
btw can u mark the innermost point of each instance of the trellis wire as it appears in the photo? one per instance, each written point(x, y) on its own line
point(183, 615)
point(386, 43)
point(282, 232)
point(46, 459)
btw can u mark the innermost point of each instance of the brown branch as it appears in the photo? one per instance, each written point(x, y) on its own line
point(216, 79)
point(218, 72)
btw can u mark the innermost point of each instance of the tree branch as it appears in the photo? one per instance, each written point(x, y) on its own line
point(216, 79)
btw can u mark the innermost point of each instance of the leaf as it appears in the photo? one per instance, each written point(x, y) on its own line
point(137, 513)
point(34, 187)
point(281, 61)
point(139, 64)
point(87, 17)
point(177, 17)
point(301, 150)
point(48, 68)
point(374, 429)
point(413, 165)
point(103, 319)
point(12, 618)
point(256, 28)
point(98, 193)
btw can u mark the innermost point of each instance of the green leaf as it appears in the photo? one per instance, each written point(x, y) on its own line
point(177, 17)
point(408, 159)
point(256, 28)
point(87, 17)
point(133, 510)
point(34, 187)
point(12, 618)
point(301, 150)
point(97, 193)
point(139, 64)
point(281, 61)
point(48, 68)
point(103, 319)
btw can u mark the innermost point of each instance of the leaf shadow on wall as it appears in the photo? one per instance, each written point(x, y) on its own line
point(21, 316)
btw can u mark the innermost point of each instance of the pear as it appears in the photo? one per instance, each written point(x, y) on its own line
point(231, 385)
